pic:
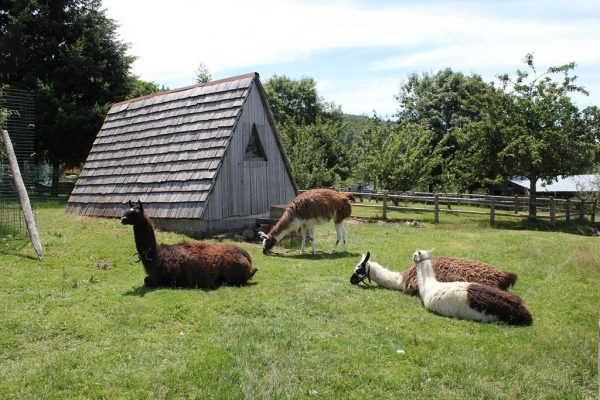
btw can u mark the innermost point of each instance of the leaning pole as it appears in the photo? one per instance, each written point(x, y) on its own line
point(23, 197)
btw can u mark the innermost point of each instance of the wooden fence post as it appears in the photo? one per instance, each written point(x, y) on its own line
point(581, 210)
point(568, 211)
point(594, 205)
point(516, 203)
point(385, 199)
point(436, 212)
point(23, 197)
point(492, 212)
point(553, 212)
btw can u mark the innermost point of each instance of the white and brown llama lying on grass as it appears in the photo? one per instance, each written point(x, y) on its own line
point(186, 264)
point(467, 300)
point(308, 209)
point(447, 269)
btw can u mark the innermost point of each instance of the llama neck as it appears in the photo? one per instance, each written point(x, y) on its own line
point(425, 274)
point(145, 240)
point(385, 277)
point(284, 225)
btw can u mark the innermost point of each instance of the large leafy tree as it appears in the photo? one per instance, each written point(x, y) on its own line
point(440, 102)
point(530, 128)
point(395, 157)
point(312, 131)
point(67, 52)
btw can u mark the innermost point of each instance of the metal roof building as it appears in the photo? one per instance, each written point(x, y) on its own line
point(203, 159)
point(563, 186)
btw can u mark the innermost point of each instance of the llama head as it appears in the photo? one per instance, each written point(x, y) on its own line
point(422, 255)
point(361, 271)
point(134, 214)
point(268, 242)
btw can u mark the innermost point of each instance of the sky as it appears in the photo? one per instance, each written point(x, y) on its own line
point(359, 52)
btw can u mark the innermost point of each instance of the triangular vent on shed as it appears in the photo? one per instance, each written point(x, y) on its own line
point(255, 149)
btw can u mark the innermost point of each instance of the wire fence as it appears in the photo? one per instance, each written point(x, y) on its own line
point(21, 128)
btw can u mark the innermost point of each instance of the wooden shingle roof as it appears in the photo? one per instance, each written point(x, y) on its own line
point(164, 149)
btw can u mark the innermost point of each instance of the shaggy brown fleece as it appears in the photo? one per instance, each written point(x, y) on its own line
point(507, 306)
point(451, 269)
point(186, 264)
point(316, 204)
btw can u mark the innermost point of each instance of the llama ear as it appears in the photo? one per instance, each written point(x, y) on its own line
point(263, 235)
point(130, 203)
point(140, 205)
point(365, 259)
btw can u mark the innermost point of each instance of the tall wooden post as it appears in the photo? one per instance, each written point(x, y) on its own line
point(436, 212)
point(492, 211)
point(594, 205)
point(553, 212)
point(23, 197)
point(581, 210)
point(568, 211)
point(385, 200)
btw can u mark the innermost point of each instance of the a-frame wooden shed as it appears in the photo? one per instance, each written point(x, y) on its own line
point(203, 159)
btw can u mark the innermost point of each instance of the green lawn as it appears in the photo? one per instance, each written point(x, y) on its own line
point(81, 324)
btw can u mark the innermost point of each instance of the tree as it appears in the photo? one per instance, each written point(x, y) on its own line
point(369, 144)
point(395, 157)
point(139, 88)
point(407, 160)
point(531, 128)
point(439, 102)
point(67, 52)
point(312, 131)
point(202, 74)
point(293, 100)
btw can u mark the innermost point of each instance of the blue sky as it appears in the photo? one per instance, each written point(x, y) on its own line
point(359, 52)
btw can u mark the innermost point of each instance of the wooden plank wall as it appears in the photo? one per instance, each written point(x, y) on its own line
point(250, 187)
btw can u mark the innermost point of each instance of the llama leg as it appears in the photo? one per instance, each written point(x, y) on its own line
point(303, 234)
point(311, 233)
point(339, 229)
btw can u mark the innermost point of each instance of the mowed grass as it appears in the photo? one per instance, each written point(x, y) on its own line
point(81, 324)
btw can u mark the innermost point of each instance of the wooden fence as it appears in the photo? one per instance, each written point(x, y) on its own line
point(548, 208)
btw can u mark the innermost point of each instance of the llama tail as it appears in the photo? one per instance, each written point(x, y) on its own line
point(252, 272)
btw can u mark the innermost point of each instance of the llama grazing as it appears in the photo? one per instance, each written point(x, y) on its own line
point(467, 300)
point(186, 264)
point(447, 269)
point(307, 210)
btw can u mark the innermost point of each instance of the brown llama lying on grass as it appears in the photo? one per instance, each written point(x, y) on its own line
point(450, 269)
point(315, 206)
point(467, 300)
point(446, 269)
point(186, 264)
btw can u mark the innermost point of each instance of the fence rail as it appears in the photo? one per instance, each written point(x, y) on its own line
point(548, 208)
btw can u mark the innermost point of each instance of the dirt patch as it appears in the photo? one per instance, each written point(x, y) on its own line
point(362, 220)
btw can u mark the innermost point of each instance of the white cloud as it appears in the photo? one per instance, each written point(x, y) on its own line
point(172, 38)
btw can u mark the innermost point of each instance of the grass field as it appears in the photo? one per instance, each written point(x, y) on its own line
point(81, 324)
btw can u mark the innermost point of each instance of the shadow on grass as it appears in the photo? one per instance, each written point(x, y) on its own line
point(370, 286)
point(319, 255)
point(14, 246)
point(141, 291)
point(581, 228)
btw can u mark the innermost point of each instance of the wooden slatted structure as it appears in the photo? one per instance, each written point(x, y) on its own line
point(203, 159)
